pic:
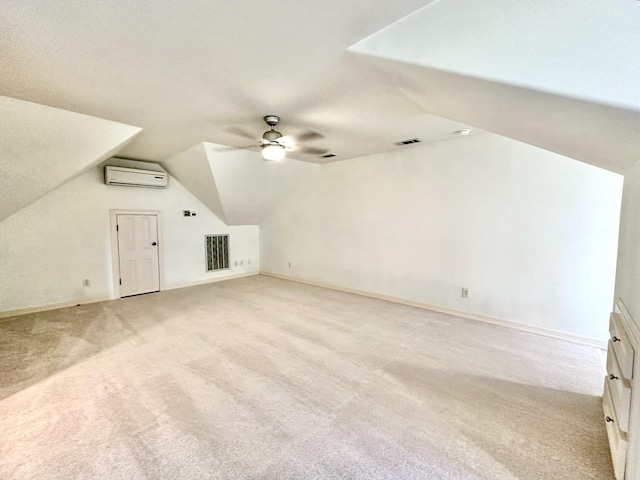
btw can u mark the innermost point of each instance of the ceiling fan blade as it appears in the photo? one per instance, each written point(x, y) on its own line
point(310, 136)
point(227, 149)
point(314, 151)
point(286, 141)
point(240, 132)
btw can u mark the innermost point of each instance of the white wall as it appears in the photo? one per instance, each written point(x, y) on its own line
point(49, 247)
point(532, 234)
point(628, 275)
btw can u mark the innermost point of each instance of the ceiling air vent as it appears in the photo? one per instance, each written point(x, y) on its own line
point(408, 142)
point(328, 155)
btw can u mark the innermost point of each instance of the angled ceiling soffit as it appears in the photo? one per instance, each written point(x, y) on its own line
point(492, 75)
point(42, 148)
point(193, 170)
point(600, 135)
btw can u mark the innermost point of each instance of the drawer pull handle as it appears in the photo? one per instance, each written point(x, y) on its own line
point(608, 419)
point(615, 339)
point(613, 377)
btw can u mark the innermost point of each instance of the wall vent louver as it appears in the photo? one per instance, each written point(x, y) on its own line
point(217, 252)
point(408, 142)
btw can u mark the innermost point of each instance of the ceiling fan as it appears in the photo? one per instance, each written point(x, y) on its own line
point(274, 145)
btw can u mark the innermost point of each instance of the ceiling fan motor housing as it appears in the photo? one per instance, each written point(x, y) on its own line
point(272, 120)
point(271, 135)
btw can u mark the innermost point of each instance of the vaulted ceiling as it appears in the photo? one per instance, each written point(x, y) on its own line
point(559, 75)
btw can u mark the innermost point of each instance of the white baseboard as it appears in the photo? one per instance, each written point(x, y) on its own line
point(53, 306)
point(592, 342)
point(84, 301)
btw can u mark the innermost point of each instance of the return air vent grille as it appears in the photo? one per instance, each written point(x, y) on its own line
point(217, 250)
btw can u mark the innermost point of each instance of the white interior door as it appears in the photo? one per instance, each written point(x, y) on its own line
point(138, 254)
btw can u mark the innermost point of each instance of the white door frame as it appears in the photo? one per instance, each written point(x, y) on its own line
point(115, 256)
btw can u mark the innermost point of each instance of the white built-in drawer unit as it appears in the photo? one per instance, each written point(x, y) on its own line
point(621, 398)
point(617, 438)
point(621, 343)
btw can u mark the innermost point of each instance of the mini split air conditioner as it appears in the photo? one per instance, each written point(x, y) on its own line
point(132, 177)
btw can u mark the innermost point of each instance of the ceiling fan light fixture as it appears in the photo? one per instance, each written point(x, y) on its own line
point(272, 151)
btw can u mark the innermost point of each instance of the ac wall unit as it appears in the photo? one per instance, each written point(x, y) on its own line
point(132, 177)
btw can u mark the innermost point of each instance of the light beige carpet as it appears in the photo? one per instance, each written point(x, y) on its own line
point(260, 378)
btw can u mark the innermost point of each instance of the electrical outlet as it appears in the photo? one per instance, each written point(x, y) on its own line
point(465, 292)
point(86, 282)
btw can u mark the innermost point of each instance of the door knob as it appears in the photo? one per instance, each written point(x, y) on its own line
point(154, 244)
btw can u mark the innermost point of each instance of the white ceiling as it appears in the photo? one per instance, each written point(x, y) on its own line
point(190, 71)
point(563, 76)
point(559, 75)
point(586, 49)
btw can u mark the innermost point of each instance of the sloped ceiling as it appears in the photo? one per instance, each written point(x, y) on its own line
point(43, 147)
point(239, 186)
point(584, 49)
point(193, 170)
point(559, 75)
point(202, 70)
point(594, 133)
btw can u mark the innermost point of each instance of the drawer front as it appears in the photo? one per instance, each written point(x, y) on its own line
point(617, 438)
point(621, 346)
point(620, 390)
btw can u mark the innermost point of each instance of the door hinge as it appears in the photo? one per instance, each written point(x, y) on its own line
point(120, 281)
